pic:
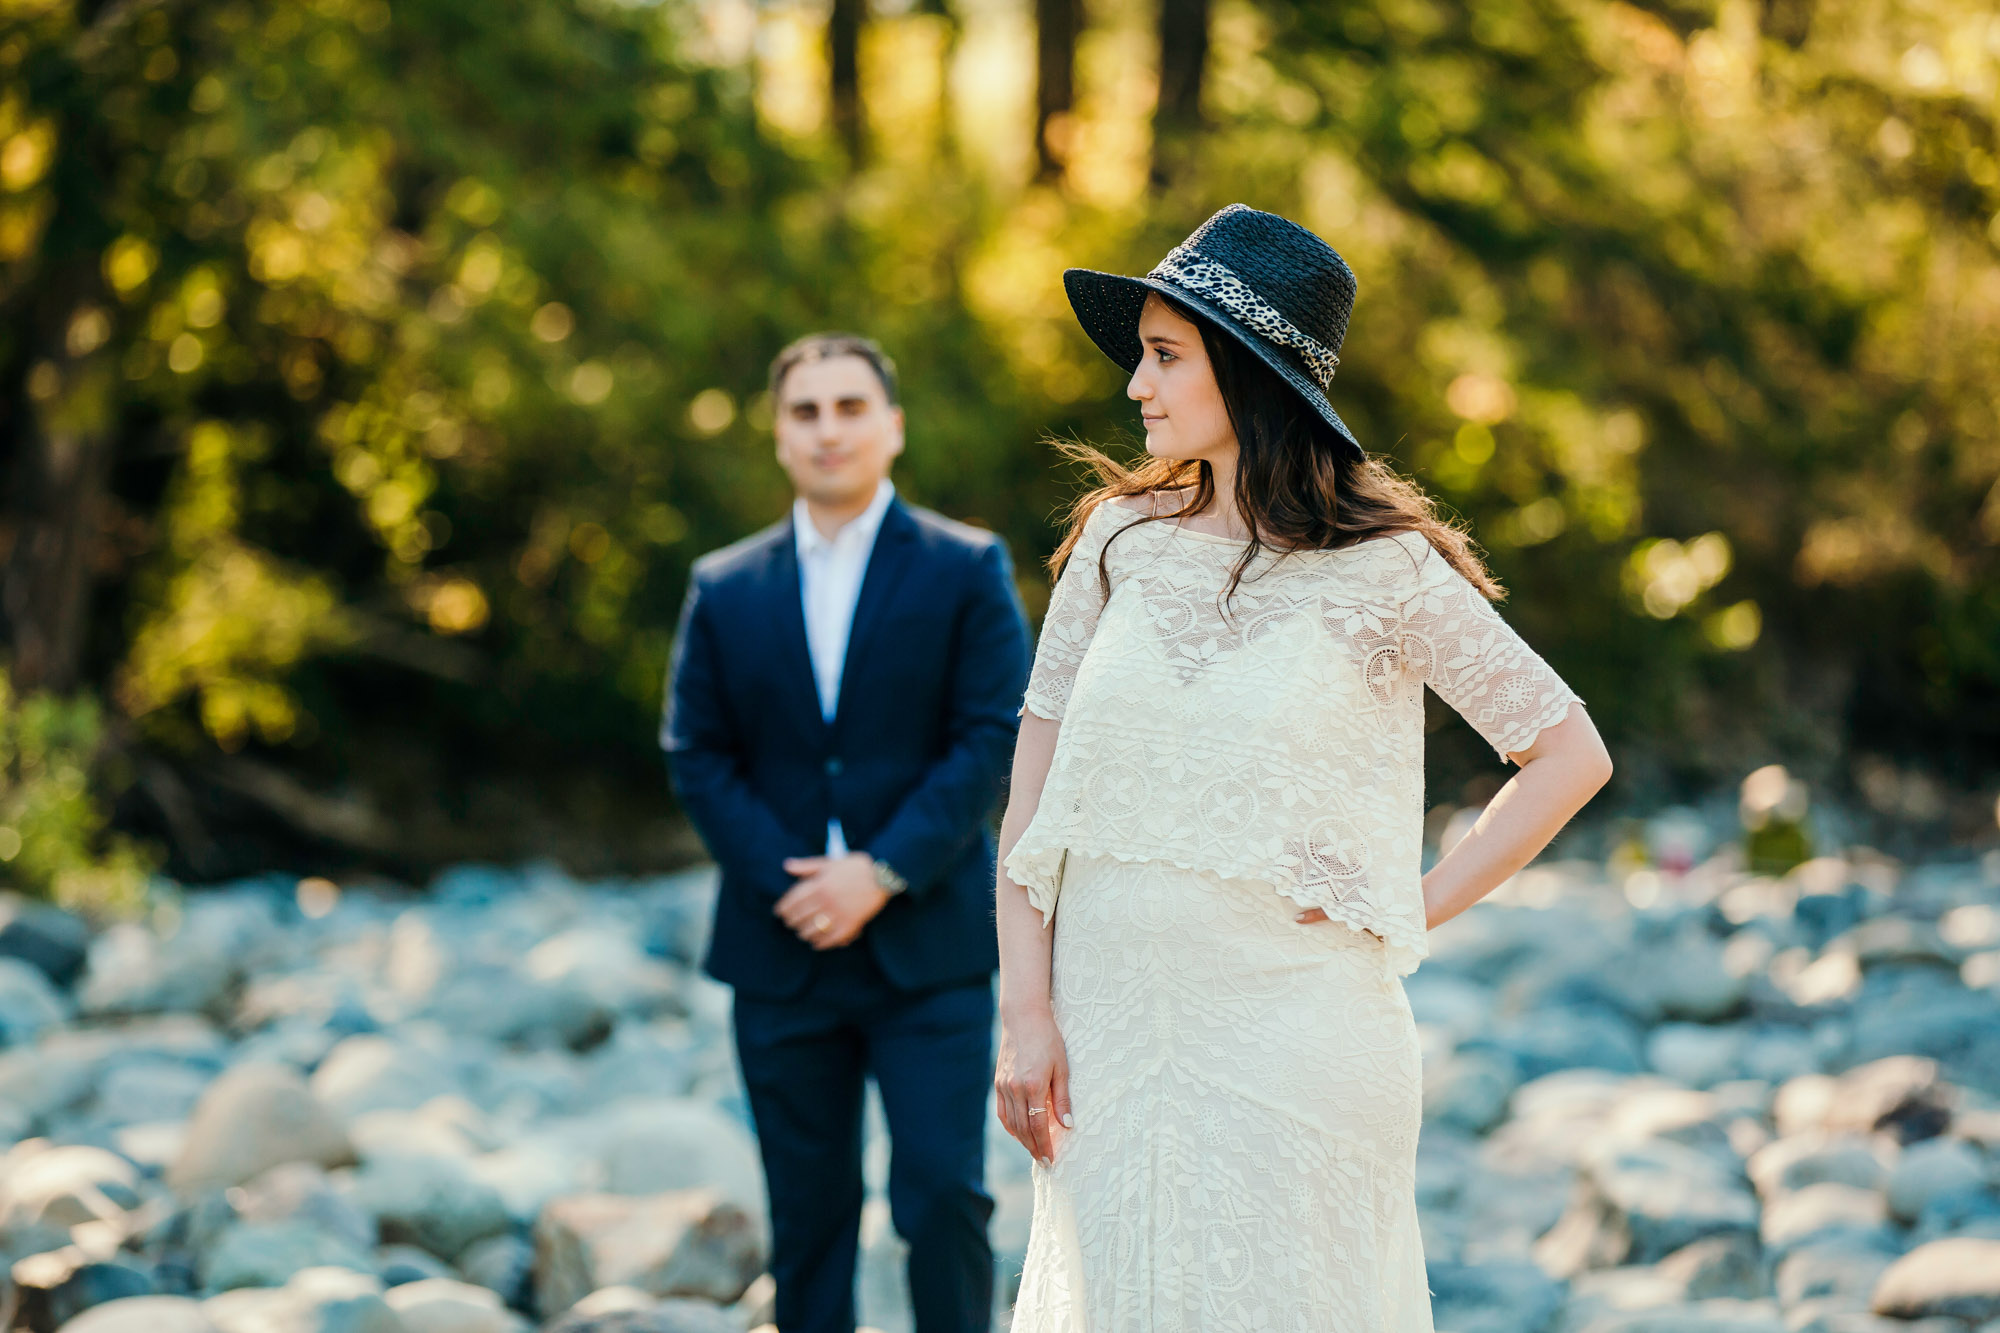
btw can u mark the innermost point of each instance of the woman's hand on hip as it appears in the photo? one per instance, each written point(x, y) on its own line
point(1032, 1080)
point(1312, 916)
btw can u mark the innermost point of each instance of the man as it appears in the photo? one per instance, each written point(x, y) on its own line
point(841, 712)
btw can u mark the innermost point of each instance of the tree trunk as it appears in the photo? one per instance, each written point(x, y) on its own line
point(843, 49)
point(61, 486)
point(1183, 64)
point(1058, 25)
point(60, 425)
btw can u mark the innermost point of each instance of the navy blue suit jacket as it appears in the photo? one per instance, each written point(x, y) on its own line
point(911, 764)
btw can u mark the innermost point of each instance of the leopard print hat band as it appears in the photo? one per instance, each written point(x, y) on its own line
point(1187, 268)
point(1276, 288)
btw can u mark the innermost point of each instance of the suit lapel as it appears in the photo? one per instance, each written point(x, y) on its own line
point(788, 622)
point(887, 564)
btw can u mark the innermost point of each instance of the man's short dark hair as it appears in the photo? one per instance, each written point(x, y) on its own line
point(826, 346)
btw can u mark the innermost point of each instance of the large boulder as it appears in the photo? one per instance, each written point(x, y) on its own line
point(37, 1085)
point(1686, 975)
point(660, 1145)
point(1695, 1053)
point(1609, 1291)
point(442, 1127)
point(679, 909)
point(1887, 940)
point(1730, 1265)
point(1570, 1036)
point(432, 1202)
point(251, 1119)
point(537, 1168)
point(143, 1314)
point(1698, 1120)
point(1818, 1158)
point(316, 1300)
point(1834, 1319)
point(1958, 1277)
point(1639, 1202)
point(1819, 1211)
point(51, 1189)
point(130, 970)
point(398, 1264)
point(1936, 1017)
point(1468, 1090)
point(29, 1003)
point(1455, 1005)
point(609, 966)
point(684, 1243)
point(301, 1192)
point(668, 1316)
point(508, 1005)
point(504, 1265)
point(48, 939)
point(1900, 1095)
point(440, 1305)
point(150, 1091)
point(1492, 1298)
point(370, 1072)
point(1716, 1316)
point(56, 1286)
point(657, 1059)
point(267, 1254)
point(1843, 1266)
point(1931, 1171)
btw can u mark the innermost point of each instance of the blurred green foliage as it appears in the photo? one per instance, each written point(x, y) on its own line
point(424, 347)
point(53, 842)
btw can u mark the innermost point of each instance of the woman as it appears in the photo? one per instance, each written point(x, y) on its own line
point(1211, 882)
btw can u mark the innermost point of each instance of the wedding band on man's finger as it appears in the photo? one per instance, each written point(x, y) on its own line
point(821, 922)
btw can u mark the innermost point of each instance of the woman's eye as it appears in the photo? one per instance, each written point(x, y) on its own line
point(1164, 355)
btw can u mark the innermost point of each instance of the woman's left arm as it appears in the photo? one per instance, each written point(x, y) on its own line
point(1565, 766)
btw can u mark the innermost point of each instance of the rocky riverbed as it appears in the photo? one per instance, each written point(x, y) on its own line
point(1654, 1104)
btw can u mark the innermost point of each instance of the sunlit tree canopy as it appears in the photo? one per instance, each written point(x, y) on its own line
point(370, 374)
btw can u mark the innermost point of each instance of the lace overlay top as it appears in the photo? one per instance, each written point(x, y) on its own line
point(1282, 741)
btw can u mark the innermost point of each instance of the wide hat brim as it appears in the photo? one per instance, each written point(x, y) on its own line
point(1108, 306)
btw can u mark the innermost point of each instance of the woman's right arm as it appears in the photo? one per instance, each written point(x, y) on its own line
point(1032, 1075)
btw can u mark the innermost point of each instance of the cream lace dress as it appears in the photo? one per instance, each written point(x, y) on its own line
point(1246, 1089)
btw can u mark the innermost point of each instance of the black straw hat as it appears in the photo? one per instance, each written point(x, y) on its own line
point(1271, 284)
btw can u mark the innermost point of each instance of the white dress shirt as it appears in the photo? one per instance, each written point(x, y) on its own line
point(830, 573)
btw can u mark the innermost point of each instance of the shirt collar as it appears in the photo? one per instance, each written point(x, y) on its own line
point(861, 528)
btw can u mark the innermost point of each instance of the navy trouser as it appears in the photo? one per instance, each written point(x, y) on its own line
point(804, 1063)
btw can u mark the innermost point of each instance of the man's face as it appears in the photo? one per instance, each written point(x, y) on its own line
point(837, 433)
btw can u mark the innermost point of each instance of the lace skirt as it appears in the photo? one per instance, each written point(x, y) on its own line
point(1247, 1093)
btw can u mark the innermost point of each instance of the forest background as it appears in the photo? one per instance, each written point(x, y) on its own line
point(371, 373)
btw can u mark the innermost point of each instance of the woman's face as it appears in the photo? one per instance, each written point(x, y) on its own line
point(1176, 391)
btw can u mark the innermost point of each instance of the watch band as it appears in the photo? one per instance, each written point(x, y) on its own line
point(888, 880)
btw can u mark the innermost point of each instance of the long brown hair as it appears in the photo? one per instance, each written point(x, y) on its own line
point(1298, 486)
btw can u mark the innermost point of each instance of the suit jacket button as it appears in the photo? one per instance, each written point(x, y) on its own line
point(833, 768)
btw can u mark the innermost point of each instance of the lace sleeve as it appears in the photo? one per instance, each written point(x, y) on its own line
point(1074, 606)
point(1456, 642)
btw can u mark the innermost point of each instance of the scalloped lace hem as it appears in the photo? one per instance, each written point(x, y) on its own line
point(1039, 870)
point(1042, 704)
point(1530, 730)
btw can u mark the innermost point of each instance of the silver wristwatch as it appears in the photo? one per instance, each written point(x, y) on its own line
point(888, 880)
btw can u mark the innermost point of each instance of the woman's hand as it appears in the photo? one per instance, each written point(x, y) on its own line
point(1032, 1079)
point(1312, 916)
